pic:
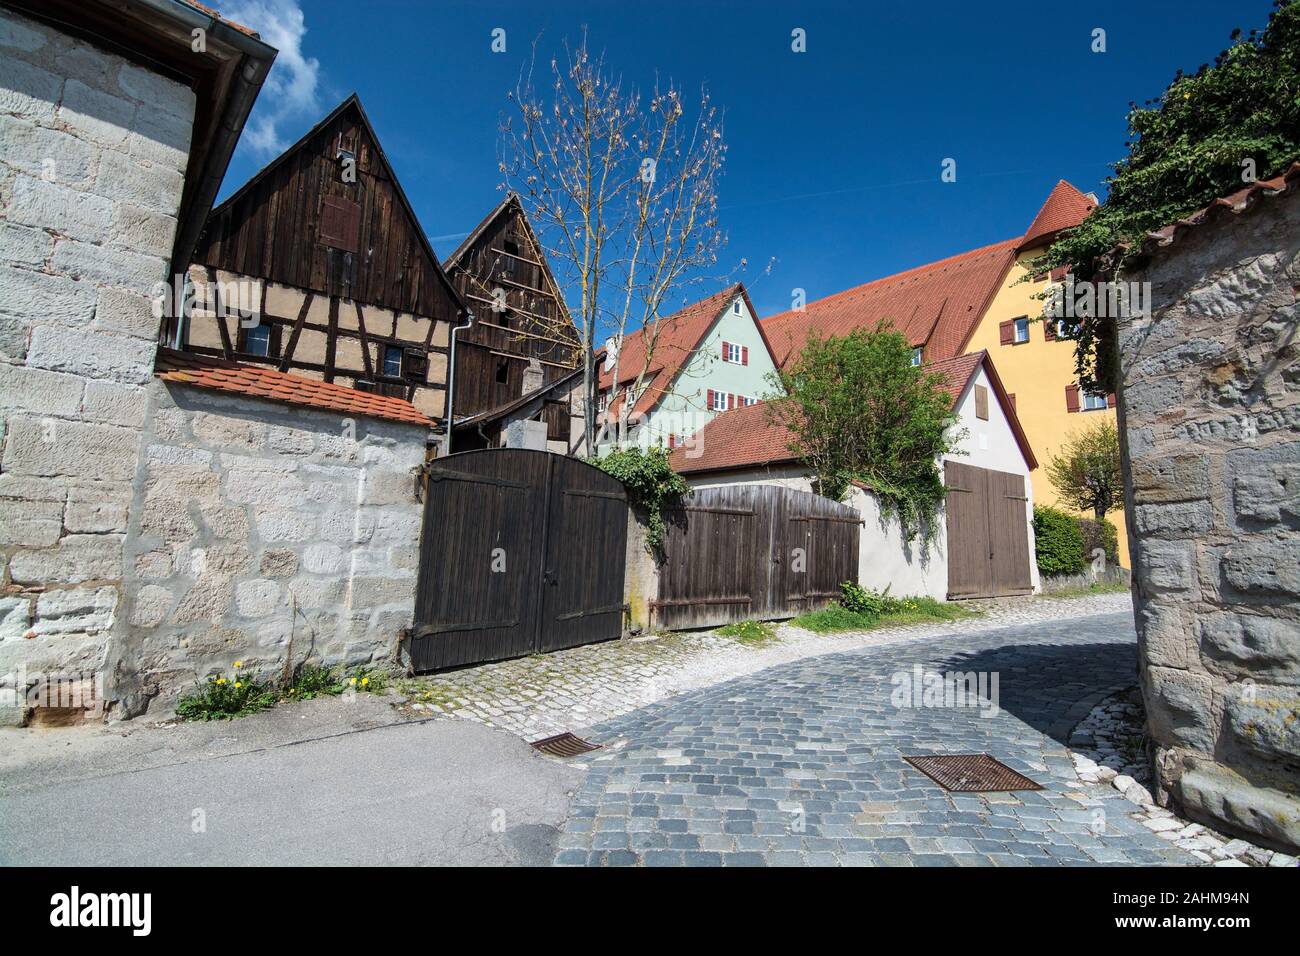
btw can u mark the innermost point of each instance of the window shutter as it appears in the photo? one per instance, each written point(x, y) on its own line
point(1049, 330)
point(340, 223)
point(981, 403)
point(415, 365)
point(672, 442)
point(710, 399)
point(744, 355)
point(1007, 331)
point(724, 350)
point(731, 401)
point(1072, 398)
point(1110, 400)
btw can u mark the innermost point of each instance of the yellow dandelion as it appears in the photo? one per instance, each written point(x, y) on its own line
point(365, 681)
point(352, 681)
point(221, 680)
point(239, 663)
point(238, 685)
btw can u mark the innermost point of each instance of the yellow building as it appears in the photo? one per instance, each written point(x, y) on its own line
point(976, 300)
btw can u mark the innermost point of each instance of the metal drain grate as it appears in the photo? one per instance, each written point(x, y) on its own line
point(564, 745)
point(970, 773)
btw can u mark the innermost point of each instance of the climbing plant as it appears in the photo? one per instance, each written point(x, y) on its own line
point(650, 481)
point(1210, 133)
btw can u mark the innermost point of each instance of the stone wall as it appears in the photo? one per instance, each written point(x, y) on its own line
point(92, 157)
point(254, 523)
point(1210, 426)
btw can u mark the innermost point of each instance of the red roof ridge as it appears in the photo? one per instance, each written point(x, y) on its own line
point(206, 371)
point(1064, 208)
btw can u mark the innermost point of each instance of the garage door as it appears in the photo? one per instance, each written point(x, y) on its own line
point(988, 532)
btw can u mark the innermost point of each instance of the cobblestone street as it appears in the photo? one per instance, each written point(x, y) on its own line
point(569, 690)
point(802, 764)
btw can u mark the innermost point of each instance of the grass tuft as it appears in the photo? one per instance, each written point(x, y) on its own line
point(749, 632)
point(900, 611)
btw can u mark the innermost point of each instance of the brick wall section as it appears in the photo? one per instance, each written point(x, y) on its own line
point(253, 521)
point(92, 157)
point(1211, 434)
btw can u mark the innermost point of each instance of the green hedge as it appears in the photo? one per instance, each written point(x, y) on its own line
point(1058, 542)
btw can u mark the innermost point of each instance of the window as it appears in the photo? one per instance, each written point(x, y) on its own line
point(748, 400)
point(392, 361)
point(717, 401)
point(1093, 401)
point(1022, 331)
point(735, 307)
point(916, 356)
point(509, 261)
point(257, 340)
point(731, 352)
point(602, 402)
point(503, 371)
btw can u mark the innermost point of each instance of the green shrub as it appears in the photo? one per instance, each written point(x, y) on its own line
point(221, 697)
point(861, 609)
point(748, 632)
point(651, 484)
point(312, 680)
point(366, 681)
point(1099, 534)
point(854, 597)
point(1058, 542)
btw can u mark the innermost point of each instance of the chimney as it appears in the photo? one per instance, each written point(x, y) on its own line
point(534, 377)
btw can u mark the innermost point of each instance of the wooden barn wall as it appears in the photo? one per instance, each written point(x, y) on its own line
point(275, 230)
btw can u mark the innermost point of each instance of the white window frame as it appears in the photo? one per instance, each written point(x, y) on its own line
point(261, 329)
point(735, 307)
point(384, 361)
point(1016, 339)
point(916, 356)
point(719, 401)
point(735, 353)
point(1093, 402)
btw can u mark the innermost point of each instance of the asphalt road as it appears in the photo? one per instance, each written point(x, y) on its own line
point(431, 793)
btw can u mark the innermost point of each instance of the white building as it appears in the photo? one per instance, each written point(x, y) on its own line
point(984, 544)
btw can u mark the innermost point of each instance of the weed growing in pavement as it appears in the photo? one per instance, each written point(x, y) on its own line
point(221, 697)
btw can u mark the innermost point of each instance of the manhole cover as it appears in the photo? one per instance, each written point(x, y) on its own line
point(564, 745)
point(971, 773)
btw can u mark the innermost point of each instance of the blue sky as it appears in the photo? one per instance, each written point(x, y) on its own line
point(835, 154)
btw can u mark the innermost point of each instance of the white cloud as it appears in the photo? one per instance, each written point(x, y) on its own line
point(290, 91)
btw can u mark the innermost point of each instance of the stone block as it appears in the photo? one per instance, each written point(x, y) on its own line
point(74, 560)
point(155, 565)
point(1171, 478)
point(1253, 645)
point(1165, 636)
point(150, 606)
point(93, 514)
point(1267, 722)
point(258, 598)
point(228, 432)
point(1263, 569)
point(141, 230)
point(24, 246)
point(15, 618)
point(114, 403)
point(50, 155)
point(284, 524)
point(1216, 795)
point(1180, 708)
point(82, 215)
point(95, 115)
point(108, 266)
point(156, 92)
point(75, 611)
point(1174, 520)
point(1269, 495)
point(278, 563)
point(156, 188)
point(37, 390)
point(20, 34)
point(127, 313)
point(56, 447)
point(28, 91)
point(35, 524)
point(35, 296)
point(92, 354)
point(1167, 566)
point(323, 558)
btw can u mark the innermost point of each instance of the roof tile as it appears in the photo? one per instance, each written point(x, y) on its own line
point(205, 371)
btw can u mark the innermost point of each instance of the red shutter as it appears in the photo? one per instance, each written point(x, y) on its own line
point(744, 355)
point(1072, 398)
point(724, 350)
point(731, 401)
point(1049, 330)
point(1110, 400)
point(710, 399)
point(672, 442)
point(1007, 331)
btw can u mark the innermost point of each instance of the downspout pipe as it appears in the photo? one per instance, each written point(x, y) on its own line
point(451, 379)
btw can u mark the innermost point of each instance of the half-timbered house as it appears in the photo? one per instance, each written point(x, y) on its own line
point(517, 361)
point(318, 266)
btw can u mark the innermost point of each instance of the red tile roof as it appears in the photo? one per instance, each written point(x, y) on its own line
point(678, 336)
point(258, 381)
point(746, 438)
point(226, 20)
point(1232, 204)
point(939, 303)
point(1065, 208)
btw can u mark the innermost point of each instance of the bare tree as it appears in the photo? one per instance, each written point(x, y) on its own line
point(623, 192)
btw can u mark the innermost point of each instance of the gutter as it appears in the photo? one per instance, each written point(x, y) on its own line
point(249, 77)
point(451, 379)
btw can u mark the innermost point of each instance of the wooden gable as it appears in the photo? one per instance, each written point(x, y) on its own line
point(329, 216)
point(503, 277)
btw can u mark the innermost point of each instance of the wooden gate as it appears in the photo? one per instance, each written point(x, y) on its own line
point(522, 551)
point(743, 552)
point(988, 532)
